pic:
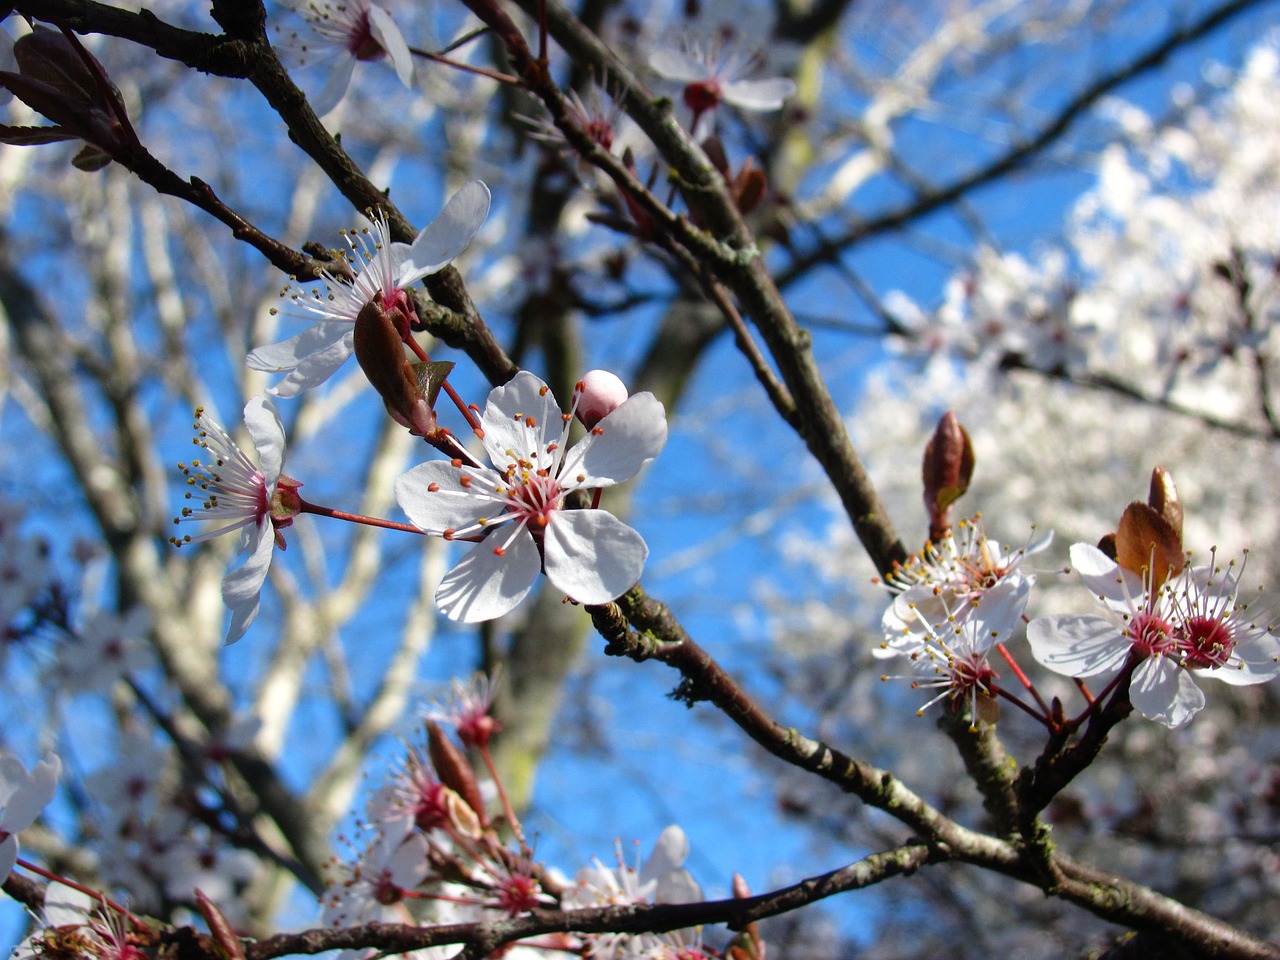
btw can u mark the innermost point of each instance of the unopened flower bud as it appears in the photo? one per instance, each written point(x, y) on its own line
point(599, 394)
point(453, 769)
point(947, 471)
point(379, 349)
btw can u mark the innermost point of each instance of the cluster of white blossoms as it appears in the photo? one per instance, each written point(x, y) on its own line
point(438, 851)
point(518, 511)
point(1169, 267)
point(1194, 624)
point(953, 603)
point(960, 598)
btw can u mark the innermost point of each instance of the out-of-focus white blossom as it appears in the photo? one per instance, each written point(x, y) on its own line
point(337, 36)
point(661, 879)
point(23, 795)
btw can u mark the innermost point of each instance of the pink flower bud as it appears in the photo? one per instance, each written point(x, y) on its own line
point(600, 393)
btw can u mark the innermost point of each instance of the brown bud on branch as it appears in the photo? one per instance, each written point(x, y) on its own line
point(947, 471)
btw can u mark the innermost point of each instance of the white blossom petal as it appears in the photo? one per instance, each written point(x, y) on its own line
point(677, 65)
point(1162, 691)
point(267, 431)
point(1103, 576)
point(66, 906)
point(1078, 646)
point(592, 556)
point(483, 585)
point(390, 38)
point(287, 354)
point(447, 235)
point(508, 413)
point(759, 94)
point(242, 588)
point(453, 506)
point(669, 853)
point(32, 795)
point(621, 443)
point(335, 86)
point(1255, 658)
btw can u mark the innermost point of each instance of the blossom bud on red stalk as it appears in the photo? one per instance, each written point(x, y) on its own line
point(223, 934)
point(599, 394)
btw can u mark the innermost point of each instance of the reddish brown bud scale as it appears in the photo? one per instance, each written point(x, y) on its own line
point(1163, 498)
point(453, 769)
point(1145, 540)
point(947, 470)
point(220, 929)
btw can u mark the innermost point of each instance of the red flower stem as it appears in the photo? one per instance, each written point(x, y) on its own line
point(507, 809)
point(359, 518)
point(1017, 671)
point(468, 414)
point(94, 895)
point(1095, 704)
point(999, 691)
point(466, 67)
point(1084, 690)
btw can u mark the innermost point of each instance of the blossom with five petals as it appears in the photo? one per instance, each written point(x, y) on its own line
point(383, 271)
point(1192, 624)
point(341, 35)
point(516, 508)
point(242, 495)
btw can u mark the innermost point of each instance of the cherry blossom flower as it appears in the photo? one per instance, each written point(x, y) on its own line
point(951, 656)
point(662, 879)
point(242, 495)
point(102, 651)
point(1194, 624)
point(713, 74)
point(22, 796)
point(589, 554)
point(73, 922)
point(468, 708)
point(375, 887)
point(383, 271)
point(341, 34)
point(943, 582)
